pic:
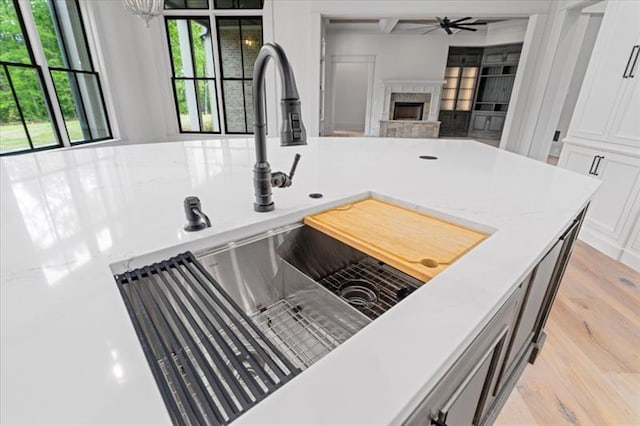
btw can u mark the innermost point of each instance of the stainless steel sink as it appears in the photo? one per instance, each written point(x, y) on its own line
point(224, 328)
point(271, 277)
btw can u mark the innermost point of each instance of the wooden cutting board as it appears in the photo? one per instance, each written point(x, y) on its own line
point(415, 243)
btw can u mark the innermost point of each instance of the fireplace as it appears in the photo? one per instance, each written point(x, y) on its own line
point(408, 110)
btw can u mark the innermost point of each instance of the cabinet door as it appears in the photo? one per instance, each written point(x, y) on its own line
point(479, 122)
point(461, 397)
point(496, 124)
point(625, 125)
point(599, 95)
point(631, 253)
point(567, 241)
point(464, 407)
point(524, 329)
point(612, 203)
point(578, 159)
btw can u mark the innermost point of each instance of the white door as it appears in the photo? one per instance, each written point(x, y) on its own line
point(599, 95)
point(350, 94)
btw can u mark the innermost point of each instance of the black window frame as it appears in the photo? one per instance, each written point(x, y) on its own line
point(165, 8)
point(194, 78)
point(236, 6)
point(72, 71)
point(239, 18)
point(45, 92)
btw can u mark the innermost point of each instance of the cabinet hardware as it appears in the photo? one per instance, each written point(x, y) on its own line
point(593, 162)
point(600, 158)
point(635, 60)
point(629, 72)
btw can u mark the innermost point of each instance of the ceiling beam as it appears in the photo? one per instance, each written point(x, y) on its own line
point(387, 25)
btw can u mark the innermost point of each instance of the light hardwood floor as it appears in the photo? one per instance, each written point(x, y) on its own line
point(588, 372)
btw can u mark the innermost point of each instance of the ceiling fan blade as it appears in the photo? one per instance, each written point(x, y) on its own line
point(460, 20)
point(448, 30)
point(464, 28)
point(421, 28)
point(431, 30)
point(474, 23)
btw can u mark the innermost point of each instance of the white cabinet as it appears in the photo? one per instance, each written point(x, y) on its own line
point(625, 123)
point(603, 139)
point(631, 253)
point(609, 101)
point(612, 212)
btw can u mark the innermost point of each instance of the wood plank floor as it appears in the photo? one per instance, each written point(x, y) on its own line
point(588, 372)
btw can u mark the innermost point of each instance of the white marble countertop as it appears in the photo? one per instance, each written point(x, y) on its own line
point(69, 353)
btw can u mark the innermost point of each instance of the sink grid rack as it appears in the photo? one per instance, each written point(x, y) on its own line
point(210, 360)
point(386, 279)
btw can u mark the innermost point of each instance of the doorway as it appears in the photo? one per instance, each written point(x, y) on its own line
point(351, 85)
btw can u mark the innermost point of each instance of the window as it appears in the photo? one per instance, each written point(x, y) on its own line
point(212, 61)
point(240, 40)
point(25, 109)
point(71, 86)
point(194, 83)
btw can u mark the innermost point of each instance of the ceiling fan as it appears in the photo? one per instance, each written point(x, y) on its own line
point(459, 24)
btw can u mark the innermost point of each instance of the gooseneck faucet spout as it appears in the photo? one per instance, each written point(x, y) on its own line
point(292, 132)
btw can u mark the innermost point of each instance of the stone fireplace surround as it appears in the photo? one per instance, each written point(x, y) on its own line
point(425, 91)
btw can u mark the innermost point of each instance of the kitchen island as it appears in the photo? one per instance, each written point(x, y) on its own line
point(70, 354)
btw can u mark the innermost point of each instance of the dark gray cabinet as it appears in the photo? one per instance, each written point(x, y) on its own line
point(460, 397)
point(487, 124)
point(474, 390)
point(493, 93)
point(454, 123)
point(457, 94)
point(536, 289)
point(509, 53)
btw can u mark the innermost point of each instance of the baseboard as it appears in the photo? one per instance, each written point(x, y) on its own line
point(631, 258)
point(599, 242)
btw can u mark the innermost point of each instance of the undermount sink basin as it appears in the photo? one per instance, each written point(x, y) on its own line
point(224, 328)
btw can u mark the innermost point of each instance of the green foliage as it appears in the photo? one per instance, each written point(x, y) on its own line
point(25, 81)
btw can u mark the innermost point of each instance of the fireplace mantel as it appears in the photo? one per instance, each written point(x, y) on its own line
point(434, 87)
point(429, 122)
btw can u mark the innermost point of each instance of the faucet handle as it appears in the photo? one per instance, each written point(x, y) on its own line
point(296, 159)
point(282, 180)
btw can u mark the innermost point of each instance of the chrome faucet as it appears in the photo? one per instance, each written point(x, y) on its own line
point(292, 132)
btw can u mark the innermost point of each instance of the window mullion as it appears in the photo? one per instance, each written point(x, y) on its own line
point(15, 99)
point(217, 65)
point(215, 43)
point(41, 61)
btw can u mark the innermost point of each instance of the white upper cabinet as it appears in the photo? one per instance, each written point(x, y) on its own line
point(625, 125)
point(608, 106)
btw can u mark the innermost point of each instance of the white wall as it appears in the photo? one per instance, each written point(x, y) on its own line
point(136, 73)
point(591, 32)
point(552, 47)
point(124, 54)
point(136, 65)
point(411, 57)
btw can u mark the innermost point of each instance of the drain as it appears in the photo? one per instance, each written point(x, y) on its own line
point(359, 293)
